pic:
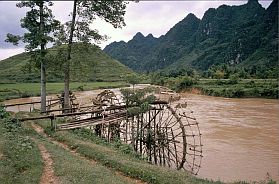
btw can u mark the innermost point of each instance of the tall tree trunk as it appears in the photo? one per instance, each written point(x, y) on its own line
point(43, 70)
point(67, 64)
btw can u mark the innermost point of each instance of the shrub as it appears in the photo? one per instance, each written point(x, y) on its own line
point(3, 112)
point(80, 88)
point(238, 92)
point(234, 79)
point(185, 83)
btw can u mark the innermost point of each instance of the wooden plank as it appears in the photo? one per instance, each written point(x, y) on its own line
point(71, 114)
point(27, 103)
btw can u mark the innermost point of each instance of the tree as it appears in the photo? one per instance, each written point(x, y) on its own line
point(83, 15)
point(39, 22)
point(138, 101)
point(133, 79)
point(219, 74)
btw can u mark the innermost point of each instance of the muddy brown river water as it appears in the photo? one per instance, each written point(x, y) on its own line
point(240, 136)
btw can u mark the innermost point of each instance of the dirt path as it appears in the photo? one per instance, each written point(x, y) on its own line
point(48, 176)
point(40, 131)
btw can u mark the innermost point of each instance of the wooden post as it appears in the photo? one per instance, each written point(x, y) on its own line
point(52, 119)
point(154, 138)
point(132, 134)
point(141, 133)
point(137, 137)
point(149, 137)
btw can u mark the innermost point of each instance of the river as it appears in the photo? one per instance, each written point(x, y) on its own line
point(240, 136)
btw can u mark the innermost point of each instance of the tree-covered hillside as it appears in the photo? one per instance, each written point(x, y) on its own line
point(88, 64)
point(243, 37)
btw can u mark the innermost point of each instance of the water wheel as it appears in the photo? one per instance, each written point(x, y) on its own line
point(107, 98)
point(165, 136)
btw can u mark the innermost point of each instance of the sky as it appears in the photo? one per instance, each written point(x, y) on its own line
point(155, 17)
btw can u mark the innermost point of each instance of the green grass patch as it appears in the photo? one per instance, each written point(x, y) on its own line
point(20, 159)
point(72, 169)
point(68, 167)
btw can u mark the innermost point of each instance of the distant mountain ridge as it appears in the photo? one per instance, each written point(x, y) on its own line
point(242, 36)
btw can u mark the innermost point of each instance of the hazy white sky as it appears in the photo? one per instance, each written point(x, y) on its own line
point(155, 17)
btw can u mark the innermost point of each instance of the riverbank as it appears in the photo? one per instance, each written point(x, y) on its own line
point(230, 88)
point(22, 90)
point(244, 88)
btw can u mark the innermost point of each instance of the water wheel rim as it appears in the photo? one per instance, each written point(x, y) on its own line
point(183, 158)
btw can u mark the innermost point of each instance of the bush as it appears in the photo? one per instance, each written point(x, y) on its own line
point(80, 88)
point(234, 79)
point(3, 112)
point(238, 92)
point(12, 125)
point(25, 94)
point(185, 82)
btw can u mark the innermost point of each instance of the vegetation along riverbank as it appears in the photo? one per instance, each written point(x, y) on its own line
point(231, 88)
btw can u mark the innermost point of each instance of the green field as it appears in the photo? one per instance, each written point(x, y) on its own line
point(19, 90)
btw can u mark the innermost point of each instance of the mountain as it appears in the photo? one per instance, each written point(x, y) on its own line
point(244, 36)
point(89, 65)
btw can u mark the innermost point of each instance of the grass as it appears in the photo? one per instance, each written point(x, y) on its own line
point(71, 169)
point(18, 90)
point(20, 160)
point(87, 65)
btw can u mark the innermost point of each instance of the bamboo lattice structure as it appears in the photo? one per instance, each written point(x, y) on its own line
point(167, 134)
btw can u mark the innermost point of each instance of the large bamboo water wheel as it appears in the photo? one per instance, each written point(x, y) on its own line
point(165, 134)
